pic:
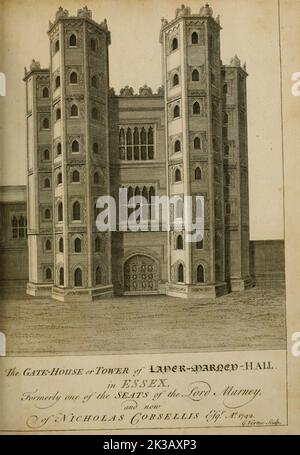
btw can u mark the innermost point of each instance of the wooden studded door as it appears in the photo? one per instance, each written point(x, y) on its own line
point(140, 274)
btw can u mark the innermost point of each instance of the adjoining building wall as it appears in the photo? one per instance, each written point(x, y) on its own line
point(267, 262)
point(13, 237)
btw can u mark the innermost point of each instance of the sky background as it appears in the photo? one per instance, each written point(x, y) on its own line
point(249, 29)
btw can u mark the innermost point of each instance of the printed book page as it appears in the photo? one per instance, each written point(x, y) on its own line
point(149, 227)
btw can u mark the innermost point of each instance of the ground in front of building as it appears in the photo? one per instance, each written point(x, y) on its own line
point(252, 319)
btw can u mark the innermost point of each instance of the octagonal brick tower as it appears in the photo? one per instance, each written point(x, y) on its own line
point(193, 115)
point(79, 82)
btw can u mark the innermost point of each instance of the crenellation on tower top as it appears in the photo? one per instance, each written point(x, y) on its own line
point(82, 14)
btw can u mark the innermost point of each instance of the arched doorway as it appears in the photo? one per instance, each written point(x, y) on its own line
point(140, 274)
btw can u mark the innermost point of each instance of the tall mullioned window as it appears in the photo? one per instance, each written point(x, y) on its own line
point(146, 192)
point(136, 143)
point(19, 227)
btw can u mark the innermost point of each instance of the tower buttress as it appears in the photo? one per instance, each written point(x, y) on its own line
point(79, 106)
point(192, 79)
point(39, 181)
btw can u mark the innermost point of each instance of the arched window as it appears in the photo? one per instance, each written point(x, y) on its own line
point(57, 82)
point(46, 155)
point(198, 173)
point(225, 118)
point(77, 245)
point(121, 137)
point(73, 40)
point(227, 179)
point(59, 178)
point(48, 245)
point(143, 142)
point(60, 212)
point(95, 82)
point(56, 46)
point(129, 193)
point(76, 211)
point(195, 38)
point(78, 277)
point(180, 274)
point(197, 144)
point(47, 183)
point(95, 113)
point(195, 75)
point(75, 176)
point(196, 108)
point(176, 111)
point(45, 92)
point(98, 275)
point(143, 136)
point(200, 274)
point(151, 203)
point(226, 149)
point(95, 147)
point(61, 245)
point(212, 77)
point(48, 274)
point(129, 143)
point(174, 44)
point(47, 214)
point(58, 114)
point(14, 224)
point(177, 175)
point(175, 79)
point(22, 227)
point(145, 193)
point(129, 137)
point(136, 141)
point(93, 44)
point(61, 276)
point(150, 136)
point(73, 78)
point(96, 178)
point(97, 244)
point(46, 123)
point(75, 146)
point(74, 110)
point(179, 242)
point(199, 244)
point(225, 89)
point(177, 146)
point(58, 149)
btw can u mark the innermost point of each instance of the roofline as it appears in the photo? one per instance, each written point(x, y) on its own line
point(40, 70)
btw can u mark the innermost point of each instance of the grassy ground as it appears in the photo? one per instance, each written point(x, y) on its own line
point(253, 319)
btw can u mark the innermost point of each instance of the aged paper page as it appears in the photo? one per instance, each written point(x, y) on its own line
point(149, 217)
